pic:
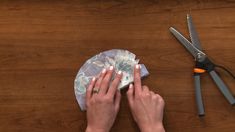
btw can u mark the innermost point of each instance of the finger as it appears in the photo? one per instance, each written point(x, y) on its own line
point(117, 100)
point(160, 100)
point(137, 79)
point(99, 80)
point(152, 93)
point(90, 88)
point(130, 94)
point(114, 84)
point(105, 82)
point(145, 89)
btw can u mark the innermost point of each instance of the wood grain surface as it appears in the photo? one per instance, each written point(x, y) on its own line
point(44, 42)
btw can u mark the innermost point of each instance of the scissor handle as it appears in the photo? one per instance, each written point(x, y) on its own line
point(222, 87)
point(198, 94)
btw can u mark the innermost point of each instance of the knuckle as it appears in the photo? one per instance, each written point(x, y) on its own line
point(136, 78)
point(161, 100)
point(144, 86)
point(137, 75)
point(105, 80)
point(155, 97)
point(158, 96)
point(118, 76)
point(144, 94)
point(114, 83)
point(97, 83)
point(117, 80)
point(147, 95)
point(140, 96)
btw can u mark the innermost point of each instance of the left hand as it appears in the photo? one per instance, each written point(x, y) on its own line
point(103, 101)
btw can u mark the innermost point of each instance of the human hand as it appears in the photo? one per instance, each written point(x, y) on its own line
point(146, 106)
point(103, 101)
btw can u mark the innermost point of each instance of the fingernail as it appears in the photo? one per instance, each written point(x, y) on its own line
point(137, 66)
point(111, 68)
point(93, 79)
point(119, 72)
point(104, 70)
point(131, 85)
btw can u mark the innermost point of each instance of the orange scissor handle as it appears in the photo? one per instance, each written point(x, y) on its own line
point(199, 70)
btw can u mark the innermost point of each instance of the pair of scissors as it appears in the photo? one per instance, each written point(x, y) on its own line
point(203, 64)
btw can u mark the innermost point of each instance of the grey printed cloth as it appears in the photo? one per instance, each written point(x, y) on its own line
point(122, 60)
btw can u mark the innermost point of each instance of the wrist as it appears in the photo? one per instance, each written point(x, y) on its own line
point(153, 128)
point(93, 129)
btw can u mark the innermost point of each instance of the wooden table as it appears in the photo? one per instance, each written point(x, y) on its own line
point(43, 44)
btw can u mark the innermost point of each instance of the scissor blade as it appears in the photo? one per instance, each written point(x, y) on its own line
point(193, 34)
point(190, 47)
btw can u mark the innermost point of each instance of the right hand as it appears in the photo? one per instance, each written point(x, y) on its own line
point(146, 106)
